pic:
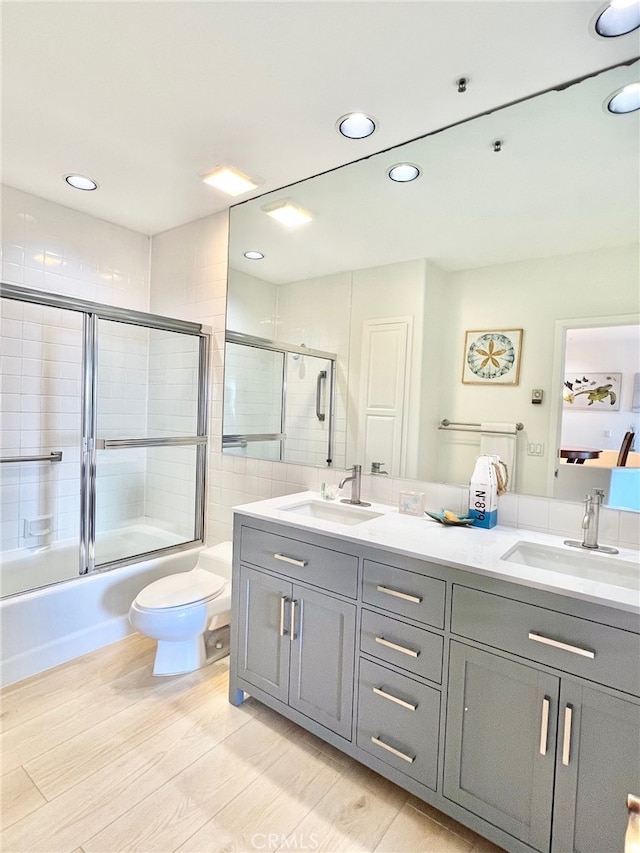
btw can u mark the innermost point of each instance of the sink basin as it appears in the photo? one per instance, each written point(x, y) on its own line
point(338, 513)
point(581, 564)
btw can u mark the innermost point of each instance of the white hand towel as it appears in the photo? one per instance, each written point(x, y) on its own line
point(504, 446)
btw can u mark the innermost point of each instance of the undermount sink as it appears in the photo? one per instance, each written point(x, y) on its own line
point(339, 513)
point(581, 564)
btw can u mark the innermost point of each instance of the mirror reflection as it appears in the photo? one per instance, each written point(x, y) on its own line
point(449, 298)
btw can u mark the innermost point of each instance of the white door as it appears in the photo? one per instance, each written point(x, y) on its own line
point(386, 347)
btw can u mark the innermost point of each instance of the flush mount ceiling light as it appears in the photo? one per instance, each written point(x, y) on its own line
point(287, 213)
point(402, 173)
point(229, 180)
point(625, 100)
point(356, 125)
point(618, 18)
point(79, 182)
point(254, 256)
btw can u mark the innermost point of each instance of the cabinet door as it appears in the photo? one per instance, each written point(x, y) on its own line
point(263, 645)
point(598, 765)
point(322, 659)
point(500, 742)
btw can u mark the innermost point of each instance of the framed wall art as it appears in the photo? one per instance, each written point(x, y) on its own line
point(591, 392)
point(492, 357)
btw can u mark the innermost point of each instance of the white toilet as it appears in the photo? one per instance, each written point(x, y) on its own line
point(187, 613)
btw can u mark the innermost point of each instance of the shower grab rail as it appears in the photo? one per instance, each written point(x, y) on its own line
point(242, 439)
point(54, 456)
point(321, 377)
point(465, 427)
point(173, 441)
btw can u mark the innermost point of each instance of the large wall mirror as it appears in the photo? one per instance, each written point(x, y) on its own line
point(523, 223)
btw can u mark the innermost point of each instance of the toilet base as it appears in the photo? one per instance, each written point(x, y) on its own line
point(178, 657)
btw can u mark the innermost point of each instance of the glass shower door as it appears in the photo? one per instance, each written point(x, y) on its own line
point(150, 418)
point(40, 399)
point(307, 423)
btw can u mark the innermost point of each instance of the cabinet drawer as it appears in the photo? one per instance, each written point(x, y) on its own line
point(406, 593)
point(398, 721)
point(322, 567)
point(598, 652)
point(403, 645)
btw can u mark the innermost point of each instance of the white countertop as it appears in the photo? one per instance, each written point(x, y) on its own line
point(469, 548)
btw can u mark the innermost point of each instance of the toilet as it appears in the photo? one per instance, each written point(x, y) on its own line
point(188, 613)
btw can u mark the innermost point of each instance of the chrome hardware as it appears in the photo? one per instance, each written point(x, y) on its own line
point(566, 741)
point(321, 376)
point(283, 601)
point(590, 522)
point(395, 699)
point(544, 725)
point(375, 468)
point(54, 456)
point(292, 626)
point(396, 647)
point(557, 644)
point(173, 441)
point(355, 480)
point(294, 562)
point(445, 423)
point(408, 758)
point(414, 599)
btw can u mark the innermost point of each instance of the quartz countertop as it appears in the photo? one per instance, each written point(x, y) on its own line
point(469, 548)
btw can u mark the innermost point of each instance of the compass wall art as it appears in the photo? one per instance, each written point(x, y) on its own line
point(492, 357)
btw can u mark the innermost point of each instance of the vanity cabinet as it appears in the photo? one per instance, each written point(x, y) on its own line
point(514, 710)
point(520, 739)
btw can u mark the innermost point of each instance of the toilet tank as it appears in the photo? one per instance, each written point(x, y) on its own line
point(217, 559)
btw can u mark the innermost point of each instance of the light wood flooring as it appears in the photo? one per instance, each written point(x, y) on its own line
point(98, 755)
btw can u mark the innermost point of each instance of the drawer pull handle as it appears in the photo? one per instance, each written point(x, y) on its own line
point(283, 559)
point(292, 628)
point(414, 599)
point(283, 601)
point(557, 644)
point(395, 699)
point(408, 758)
point(566, 741)
point(396, 647)
point(544, 726)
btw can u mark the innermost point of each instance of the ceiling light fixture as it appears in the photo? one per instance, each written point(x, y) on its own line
point(287, 213)
point(618, 18)
point(402, 173)
point(229, 180)
point(79, 182)
point(356, 125)
point(254, 256)
point(625, 100)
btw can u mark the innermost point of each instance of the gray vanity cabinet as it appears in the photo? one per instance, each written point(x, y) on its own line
point(297, 645)
point(500, 742)
point(598, 765)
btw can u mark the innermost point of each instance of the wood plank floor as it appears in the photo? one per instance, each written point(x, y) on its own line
point(101, 757)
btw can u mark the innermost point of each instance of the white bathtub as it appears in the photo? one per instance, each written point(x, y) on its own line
point(46, 627)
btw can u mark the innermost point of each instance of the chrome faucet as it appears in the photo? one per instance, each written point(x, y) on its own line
point(590, 522)
point(376, 466)
point(355, 480)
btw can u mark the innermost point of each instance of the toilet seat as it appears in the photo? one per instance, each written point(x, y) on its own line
point(180, 590)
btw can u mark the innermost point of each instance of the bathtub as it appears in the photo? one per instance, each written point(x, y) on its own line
point(45, 627)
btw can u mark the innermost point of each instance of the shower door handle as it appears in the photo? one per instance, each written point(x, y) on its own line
point(321, 376)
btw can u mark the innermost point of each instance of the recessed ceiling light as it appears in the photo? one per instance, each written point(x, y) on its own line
point(618, 18)
point(625, 100)
point(254, 256)
point(356, 125)
point(79, 182)
point(287, 213)
point(229, 180)
point(402, 173)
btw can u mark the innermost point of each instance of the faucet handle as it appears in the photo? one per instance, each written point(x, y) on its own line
point(598, 495)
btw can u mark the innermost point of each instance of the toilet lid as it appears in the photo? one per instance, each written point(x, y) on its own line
point(180, 589)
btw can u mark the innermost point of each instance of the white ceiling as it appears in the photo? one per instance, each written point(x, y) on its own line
point(145, 97)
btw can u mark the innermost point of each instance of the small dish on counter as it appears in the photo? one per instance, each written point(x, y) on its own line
point(451, 518)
